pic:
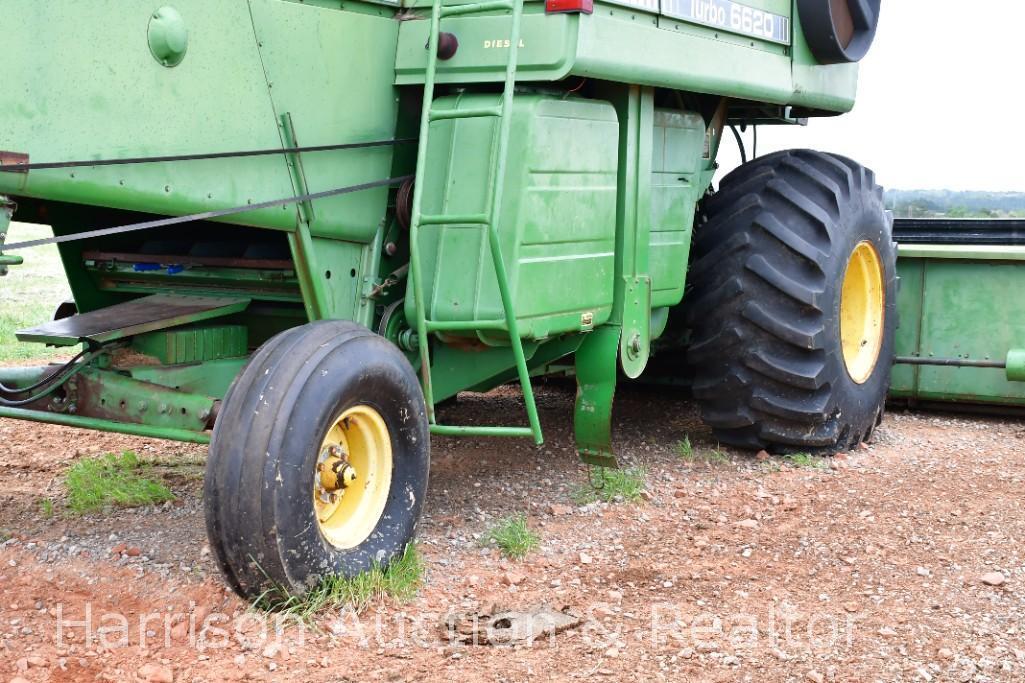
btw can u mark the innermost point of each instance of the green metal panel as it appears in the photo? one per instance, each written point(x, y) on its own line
point(634, 45)
point(677, 182)
point(210, 378)
point(628, 46)
point(904, 378)
point(556, 223)
point(332, 71)
point(957, 308)
point(88, 87)
point(830, 87)
point(194, 344)
point(546, 48)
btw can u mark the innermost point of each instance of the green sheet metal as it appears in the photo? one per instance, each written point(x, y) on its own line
point(630, 42)
point(960, 303)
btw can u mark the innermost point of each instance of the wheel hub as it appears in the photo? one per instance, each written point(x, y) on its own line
point(862, 312)
point(334, 471)
point(353, 477)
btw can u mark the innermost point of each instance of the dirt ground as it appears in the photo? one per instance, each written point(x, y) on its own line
point(899, 562)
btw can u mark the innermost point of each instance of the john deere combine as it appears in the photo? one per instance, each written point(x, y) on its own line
point(292, 228)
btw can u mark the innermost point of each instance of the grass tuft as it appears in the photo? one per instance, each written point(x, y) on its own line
point(613, 485)
point(718, 456)
point(806, 460)
point(400, 580)
point(112, 480)
point(686, 451)
point(513, 537)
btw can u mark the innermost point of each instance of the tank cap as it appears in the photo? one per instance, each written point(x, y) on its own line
point(168, 36)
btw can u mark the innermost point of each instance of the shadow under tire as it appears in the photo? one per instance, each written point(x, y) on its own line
point(315, 403)
point(792, 308)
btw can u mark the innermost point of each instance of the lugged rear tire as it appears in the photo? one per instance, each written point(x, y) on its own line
point(772, 254)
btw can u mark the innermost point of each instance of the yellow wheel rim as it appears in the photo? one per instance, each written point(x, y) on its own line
point(353, 477)
point(862, 311)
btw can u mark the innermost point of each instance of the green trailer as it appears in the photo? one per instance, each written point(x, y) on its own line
point(961, 341)
point(293, 228)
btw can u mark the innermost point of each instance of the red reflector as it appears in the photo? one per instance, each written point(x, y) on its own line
point(585, 6)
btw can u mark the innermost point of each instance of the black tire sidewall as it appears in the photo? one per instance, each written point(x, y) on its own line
point(384, 381)
point(863, 220)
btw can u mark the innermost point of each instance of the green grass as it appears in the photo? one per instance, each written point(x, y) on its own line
point(806, 460)
point(686, 451)
point(30, 293)
point(718, 456)
point(400, 580)
point(112, 480)
point(46, 507)
point(513, 537)
point(612, 485)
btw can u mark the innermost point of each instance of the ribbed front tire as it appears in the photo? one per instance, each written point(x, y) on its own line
point(792, 306)
point(319, 461)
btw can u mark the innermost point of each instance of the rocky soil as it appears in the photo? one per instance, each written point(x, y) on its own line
point(901, 561)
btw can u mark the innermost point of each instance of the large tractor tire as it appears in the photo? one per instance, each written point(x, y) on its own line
point(319, 461)
point(793, 304)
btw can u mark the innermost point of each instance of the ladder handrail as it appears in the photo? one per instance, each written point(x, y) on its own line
point(492, 211)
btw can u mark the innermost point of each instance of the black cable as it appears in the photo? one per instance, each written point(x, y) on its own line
point(754, 150)
point(43, 382)
point(24, 168)
point(205, 215)
point(68, 372)
point(740, 144)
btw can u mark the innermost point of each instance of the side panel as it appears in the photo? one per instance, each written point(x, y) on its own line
point(832, 87)
point(546, 51)
point(954, 308)
point(331, 71)
point(630, 42)
point(557, 222)
point(79, 82)
point(677, 181)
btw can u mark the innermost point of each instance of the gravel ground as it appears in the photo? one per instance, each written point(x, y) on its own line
point(901, 561)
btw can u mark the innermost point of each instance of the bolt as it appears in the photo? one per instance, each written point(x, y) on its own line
point(390, 249)
point(143, 407)
point(635, 345)
point(72, 409)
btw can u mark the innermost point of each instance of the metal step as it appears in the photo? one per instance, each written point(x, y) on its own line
point(147, 314)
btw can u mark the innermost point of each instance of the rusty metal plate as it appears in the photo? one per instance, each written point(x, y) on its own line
point(13, 159)
point(147, 314)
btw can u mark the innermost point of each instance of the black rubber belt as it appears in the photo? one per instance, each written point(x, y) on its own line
point(207, 215)
point(24, 168)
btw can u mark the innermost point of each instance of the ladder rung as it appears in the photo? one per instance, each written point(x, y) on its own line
point(476, 113)
point(455, 219)
point(450, 430)
point(465, 325)
point(475, 7)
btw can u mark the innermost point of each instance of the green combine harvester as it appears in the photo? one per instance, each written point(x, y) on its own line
point(293, 228)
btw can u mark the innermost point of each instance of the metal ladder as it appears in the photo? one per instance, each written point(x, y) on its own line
point(488, 220)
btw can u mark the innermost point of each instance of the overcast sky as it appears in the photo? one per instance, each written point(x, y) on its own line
point(941, 100)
